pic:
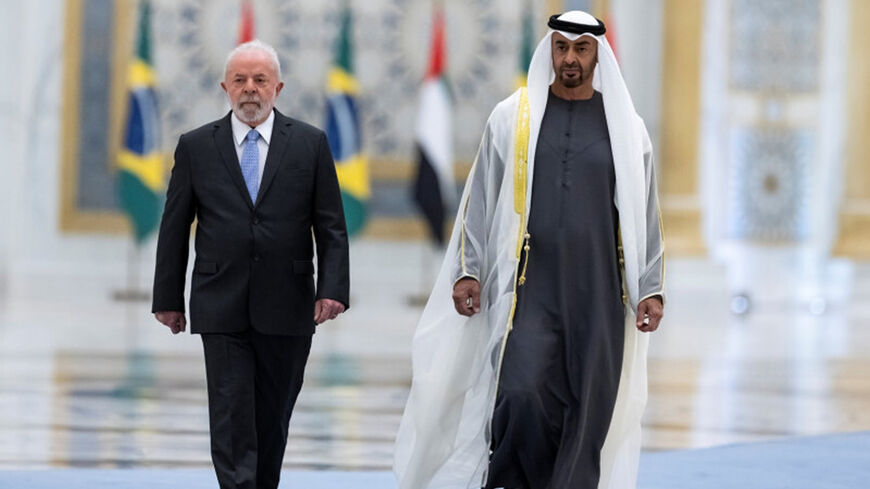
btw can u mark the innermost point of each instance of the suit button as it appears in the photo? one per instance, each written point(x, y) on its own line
point(256, 257)
point(256, 220)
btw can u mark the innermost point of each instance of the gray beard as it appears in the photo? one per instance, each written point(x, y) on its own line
point(250, 114)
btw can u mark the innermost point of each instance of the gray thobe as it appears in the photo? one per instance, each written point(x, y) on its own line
point(561, 367)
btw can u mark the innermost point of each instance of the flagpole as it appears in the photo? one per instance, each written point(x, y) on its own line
point(132, 292)
point(425, 269)
point(132, 269)
point(419, 298)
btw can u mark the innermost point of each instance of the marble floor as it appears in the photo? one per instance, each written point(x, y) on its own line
point(830, 461)
point(89, 382)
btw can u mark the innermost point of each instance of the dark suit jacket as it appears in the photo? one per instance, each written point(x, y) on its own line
point(253, 263)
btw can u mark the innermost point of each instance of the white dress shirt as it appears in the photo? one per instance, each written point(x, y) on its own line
point(240, 132)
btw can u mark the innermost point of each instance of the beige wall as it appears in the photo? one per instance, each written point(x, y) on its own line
point(854, 234)
point(681, 108)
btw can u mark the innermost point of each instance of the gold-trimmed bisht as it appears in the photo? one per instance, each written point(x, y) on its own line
point(521, 178)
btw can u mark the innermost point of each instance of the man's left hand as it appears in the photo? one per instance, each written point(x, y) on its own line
point(649, 314)
point(326, 309)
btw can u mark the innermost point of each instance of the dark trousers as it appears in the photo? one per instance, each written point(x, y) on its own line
point(253, 381)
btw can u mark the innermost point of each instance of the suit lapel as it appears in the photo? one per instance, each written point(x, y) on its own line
point(274, 158)
point(223, 140)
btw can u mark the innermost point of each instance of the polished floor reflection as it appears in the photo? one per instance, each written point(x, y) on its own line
point(88, 382)
point(106, 410)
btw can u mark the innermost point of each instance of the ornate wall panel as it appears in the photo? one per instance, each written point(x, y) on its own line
point(769, 177)
point(391, 38)
point(774, 58)
point(96, 43)
point(774, 119)
point(775, 45)
point(774, 113)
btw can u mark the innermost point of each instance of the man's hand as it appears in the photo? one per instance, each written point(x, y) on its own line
point(649, 314)
point(466, 296)
point(173, 319)
point(326, 309)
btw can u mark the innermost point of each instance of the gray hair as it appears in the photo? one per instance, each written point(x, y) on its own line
point(255, 45)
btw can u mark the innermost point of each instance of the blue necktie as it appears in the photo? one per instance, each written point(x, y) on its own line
point(251, 163)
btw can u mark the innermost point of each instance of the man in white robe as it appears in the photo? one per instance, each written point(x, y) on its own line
point(539, 381)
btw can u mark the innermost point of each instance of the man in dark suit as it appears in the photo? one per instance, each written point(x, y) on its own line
point(258, 183)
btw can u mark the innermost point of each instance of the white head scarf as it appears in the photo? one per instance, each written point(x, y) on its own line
point(626, 136)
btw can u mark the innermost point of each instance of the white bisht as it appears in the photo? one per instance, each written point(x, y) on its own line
point(444, 437)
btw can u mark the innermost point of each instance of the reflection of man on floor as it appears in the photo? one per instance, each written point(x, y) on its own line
point(258, 183)
point(543, 385)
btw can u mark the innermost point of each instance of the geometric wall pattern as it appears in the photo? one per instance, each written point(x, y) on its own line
point(775, 45)
point(773, 66)
point(391, 42)
point(768, 180)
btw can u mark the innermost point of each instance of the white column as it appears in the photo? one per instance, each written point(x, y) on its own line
point(11, 132)
point(772, 141)
point(638, 27)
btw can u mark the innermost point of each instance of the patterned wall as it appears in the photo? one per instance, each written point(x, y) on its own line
point(774, 70)
point(775, 45)
point(95, 177)
point(391, 39)
point(769, 180)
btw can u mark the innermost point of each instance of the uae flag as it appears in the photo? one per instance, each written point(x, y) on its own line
point(434, 186)
point(609, 18)
point(246, 22)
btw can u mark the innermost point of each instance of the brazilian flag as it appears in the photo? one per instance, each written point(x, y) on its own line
point(343, 129)
point(140, 162)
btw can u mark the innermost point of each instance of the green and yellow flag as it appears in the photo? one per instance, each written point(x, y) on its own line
point(527, 44)
point(140, 161)
point(343, 130)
